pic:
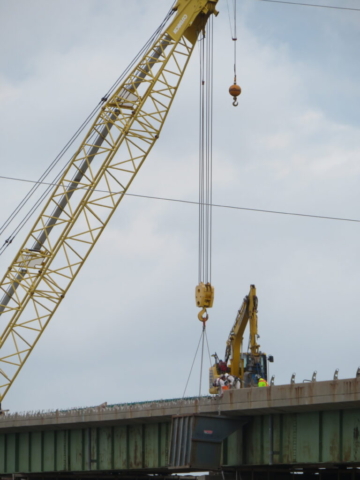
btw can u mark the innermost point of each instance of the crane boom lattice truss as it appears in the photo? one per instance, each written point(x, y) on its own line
point(76, 213)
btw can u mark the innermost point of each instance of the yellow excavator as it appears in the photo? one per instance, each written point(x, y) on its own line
point(246, 366)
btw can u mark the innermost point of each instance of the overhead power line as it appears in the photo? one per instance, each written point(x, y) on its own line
point(217, 205)
point(311, 5)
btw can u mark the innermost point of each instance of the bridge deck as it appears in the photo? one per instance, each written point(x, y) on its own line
point(307, 425)
point(301, 397)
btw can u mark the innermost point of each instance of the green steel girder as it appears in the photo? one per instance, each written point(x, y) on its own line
point(301, 439)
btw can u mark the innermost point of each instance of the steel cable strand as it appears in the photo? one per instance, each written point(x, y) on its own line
point(192, 365)
point(235, 40)
point(210, 142)
point(211, 133)
point(152, 39)
point(65, 149)
point(201, 166)
point(34, 208)
point(206, 160)
point(81, 128)
point(46, 173)
point(206, 141)
point(202, 356)
point(207, 343)
point(230, 24)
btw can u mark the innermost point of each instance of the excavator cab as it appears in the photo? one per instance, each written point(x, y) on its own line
point(254, 365)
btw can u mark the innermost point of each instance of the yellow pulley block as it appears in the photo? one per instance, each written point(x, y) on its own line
point(204, 298)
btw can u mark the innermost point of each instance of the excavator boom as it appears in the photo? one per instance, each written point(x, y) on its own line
point(247, 314)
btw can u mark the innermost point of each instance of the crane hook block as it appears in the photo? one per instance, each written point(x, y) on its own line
point(204, 295)
point(235, 91)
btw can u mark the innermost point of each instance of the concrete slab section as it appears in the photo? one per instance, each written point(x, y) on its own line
point(314, 396)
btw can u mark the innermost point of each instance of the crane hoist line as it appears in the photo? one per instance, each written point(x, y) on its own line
point(76, 213)
point(204, 291)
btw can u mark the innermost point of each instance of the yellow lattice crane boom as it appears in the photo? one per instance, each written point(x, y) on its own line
point(94, 183)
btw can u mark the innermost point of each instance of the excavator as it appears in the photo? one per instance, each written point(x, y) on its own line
point(245, 366)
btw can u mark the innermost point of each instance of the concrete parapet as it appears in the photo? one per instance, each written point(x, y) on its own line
point(312, 396)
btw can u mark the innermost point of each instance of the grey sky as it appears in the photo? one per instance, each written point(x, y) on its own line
point(128, 329)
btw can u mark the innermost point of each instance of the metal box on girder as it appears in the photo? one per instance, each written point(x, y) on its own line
point(196, 440)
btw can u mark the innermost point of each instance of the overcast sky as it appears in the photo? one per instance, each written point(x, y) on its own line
point(128, 328)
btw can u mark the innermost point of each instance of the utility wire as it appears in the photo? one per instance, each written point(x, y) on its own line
point(311, 5)
point(217, 205)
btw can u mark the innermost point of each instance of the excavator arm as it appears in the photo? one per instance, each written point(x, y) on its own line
point(92, 186)
point(247, 314)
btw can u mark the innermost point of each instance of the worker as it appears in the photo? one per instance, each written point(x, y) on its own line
point(235, 382)
point(261, 381)
point(231, 381)
point(220, 382)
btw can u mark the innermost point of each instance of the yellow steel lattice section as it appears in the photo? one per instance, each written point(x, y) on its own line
point(75, 215)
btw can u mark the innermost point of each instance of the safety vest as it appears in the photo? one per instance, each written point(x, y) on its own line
point(262, 383)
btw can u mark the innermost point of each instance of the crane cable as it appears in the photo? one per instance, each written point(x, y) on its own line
point(235, 89)
point(233, 32)
point(205, 174)
point(203, 336)
point(202, 355)
point(235, 40)
point(206, 47)
point(57, 159)
point(205, 156)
